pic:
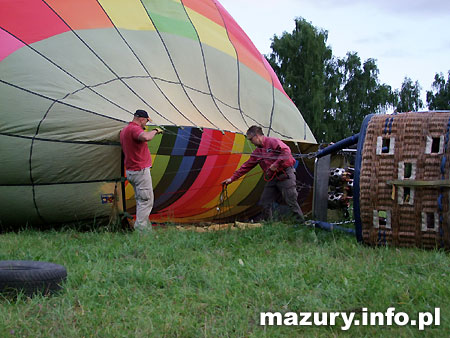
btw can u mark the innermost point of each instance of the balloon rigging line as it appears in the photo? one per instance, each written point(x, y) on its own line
point(63, 141)
point(218, 151)
point(205, 67)
point(143, 66)
point(145, 77)
point(90, 87)
point(118, 78)
point(61, 102)
point(273, 105)
point(120, 178)
point(212, 149)
point(117, 179)
point(220, 142)
point(183, 85)
point(205, 93)
point(30, 160)
point(38, 127)
point(220, 184)
point(205, 186)
point(228, 165)
point(63, 70)
point(286, 137)
point(176, 83)
point(174, 70)
point(306, 168)
point(101, 60)
point(237, 63)
point(190, 139)
point(268, 72)
point(166, 173)
point(212, 142)
point(173, 66)
point(101, 115)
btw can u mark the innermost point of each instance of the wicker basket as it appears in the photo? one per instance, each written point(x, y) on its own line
point(404, 182)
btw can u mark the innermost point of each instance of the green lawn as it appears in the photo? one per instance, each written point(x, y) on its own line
point(172, 283)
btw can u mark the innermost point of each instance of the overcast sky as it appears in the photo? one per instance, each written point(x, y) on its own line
point(406, 37)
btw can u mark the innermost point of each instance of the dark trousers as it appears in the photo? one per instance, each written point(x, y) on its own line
point(287, 189)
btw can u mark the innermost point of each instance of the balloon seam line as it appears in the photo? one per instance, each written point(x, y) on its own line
point(237, 62)
point(101, 60)
point(62, 141)
point(61, 183)
point(64, 71)
point(205, 67)
point(146, 70)
point(175, 69)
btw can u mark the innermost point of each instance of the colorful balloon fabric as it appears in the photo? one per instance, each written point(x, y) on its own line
point(72, 73)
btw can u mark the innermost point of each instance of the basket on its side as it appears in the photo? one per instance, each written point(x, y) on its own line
point(404, 181)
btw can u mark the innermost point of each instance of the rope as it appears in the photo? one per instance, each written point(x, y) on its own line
point(268, 179)
point(223, 205)
point(308, 155)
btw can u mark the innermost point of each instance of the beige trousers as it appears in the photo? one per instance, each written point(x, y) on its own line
point(143, 190)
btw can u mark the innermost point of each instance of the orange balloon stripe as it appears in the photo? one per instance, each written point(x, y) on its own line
point(81, 14)
point(248, 53)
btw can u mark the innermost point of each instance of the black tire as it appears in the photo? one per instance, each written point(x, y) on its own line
point(31, 277)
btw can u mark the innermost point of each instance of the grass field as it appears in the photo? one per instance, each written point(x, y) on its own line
point(171, 283)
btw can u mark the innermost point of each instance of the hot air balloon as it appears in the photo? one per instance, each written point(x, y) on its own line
point(72, 73)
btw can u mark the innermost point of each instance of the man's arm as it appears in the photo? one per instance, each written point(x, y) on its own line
point(146, 136)
point(245, 168)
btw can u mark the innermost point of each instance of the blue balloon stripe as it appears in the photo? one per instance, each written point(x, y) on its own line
point(182, 141)
point(183, 172)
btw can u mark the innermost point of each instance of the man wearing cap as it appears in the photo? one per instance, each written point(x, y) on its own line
point(138, 162)
point(276, 161)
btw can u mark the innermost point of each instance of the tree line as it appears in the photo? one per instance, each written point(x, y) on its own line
point(335, 94)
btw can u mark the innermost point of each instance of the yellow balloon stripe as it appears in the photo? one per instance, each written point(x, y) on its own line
point(211, 33)
point(128, 14)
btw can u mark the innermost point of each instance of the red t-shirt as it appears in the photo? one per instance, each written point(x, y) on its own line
point(137, 154)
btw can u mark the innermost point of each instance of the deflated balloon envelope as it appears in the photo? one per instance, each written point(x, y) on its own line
point(73, 72)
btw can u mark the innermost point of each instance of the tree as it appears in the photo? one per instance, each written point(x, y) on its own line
point(299, 59)
point(409, 96)
point(360, 93)
point(334, 95)
point(439, 96)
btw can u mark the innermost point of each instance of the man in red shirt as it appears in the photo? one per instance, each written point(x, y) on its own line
point(138, 162)
point(276, 161)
